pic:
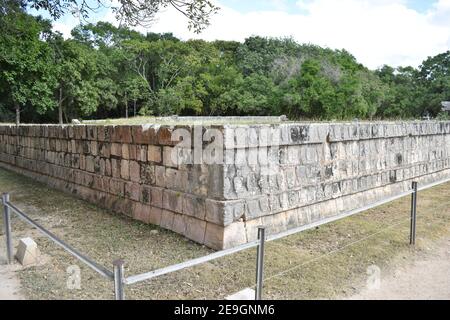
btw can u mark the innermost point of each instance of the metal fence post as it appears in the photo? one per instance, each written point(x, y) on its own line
point(118, 279)
point(260, 262)
point(7, 223)
point(412, 236)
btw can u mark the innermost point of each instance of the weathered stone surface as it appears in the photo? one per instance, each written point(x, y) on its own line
point(169, 157)
point(154, 154)
point(132, 190)
point(156, 196)
point(194, 206)
point(225, 237)
point(281, 175)
point(195, 229)
point(145, 134)
point(155, 216)
point(27, 252)
point(173, 201)
point(116, 149)
point(141, 212)
point(224, 213)
point(125, 169)
point(135, 171)
point(125, 151)
point(167, 219)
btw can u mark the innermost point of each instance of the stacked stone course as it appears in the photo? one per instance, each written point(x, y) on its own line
point(321, 169)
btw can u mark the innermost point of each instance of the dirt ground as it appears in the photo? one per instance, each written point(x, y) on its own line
point(329, 262)
point(9, 283)
point(424, 277)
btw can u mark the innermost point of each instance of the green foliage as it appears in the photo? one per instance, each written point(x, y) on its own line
point(434, 83)
point(130, 12)
point(27, 75)
point(105, 71)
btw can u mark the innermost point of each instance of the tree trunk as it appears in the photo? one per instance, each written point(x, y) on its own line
point(60, 111)
point(126, 106)
point(134, 108)
point(17, 106)
point(65, 117)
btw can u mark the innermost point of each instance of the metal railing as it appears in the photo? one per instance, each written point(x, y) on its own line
point(7, 205)
point(118, 276)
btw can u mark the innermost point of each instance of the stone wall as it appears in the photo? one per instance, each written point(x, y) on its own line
point(280, 175)
point(128, 169)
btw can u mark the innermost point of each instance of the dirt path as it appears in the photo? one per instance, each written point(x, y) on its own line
point(9, 284)
point(426, 277)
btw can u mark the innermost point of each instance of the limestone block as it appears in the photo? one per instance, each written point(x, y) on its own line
point(156, 196)
point(27, 252)
point(275, 223)
point(144, 134)
point(116, 149)
point(135, 171)
point(155, 216)
point(104, 149)
point(167, 219)
point(228, 137)
point(223, 212)
point(164, 136)
point(185, 157)
point(253, 209)
point(125, 151)
point(108, 168)
point(132, 190)
point(147, 174)
point(91, 132)
point(82, 162)
point(141, 212)
point(116, 186)
point(218, 237)
point(103, 133)
point(141, 153)
point(121, 134)
point(299, 134)
point(145, 196)
point(90, 164)
point(246, 294)
point(194, 206)
point(170, 156)
point(241, 137)
point(173, 201)
point(195, 229)
point(154, 153)
point(160, 176)
point(173, 179)
point(125, 169)
point(251, 228)
point(179, 224)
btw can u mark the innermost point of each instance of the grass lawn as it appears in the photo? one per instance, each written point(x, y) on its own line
point(328, 262)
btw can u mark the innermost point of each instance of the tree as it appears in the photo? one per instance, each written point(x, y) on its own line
point(132, 12)
point(26, 68)
point(81, 86)
point(434, 80)
point(401, 92)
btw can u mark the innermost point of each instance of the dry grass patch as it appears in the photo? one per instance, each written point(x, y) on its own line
point(327, 262)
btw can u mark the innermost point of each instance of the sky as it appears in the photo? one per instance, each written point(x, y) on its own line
point(376, 32)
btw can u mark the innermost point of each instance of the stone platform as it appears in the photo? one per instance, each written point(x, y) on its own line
point(216, 182)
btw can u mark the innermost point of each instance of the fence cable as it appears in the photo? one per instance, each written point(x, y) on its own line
point(400, 221)
point(334, 251)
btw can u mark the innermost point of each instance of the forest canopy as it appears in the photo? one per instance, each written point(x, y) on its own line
point(104, 71)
